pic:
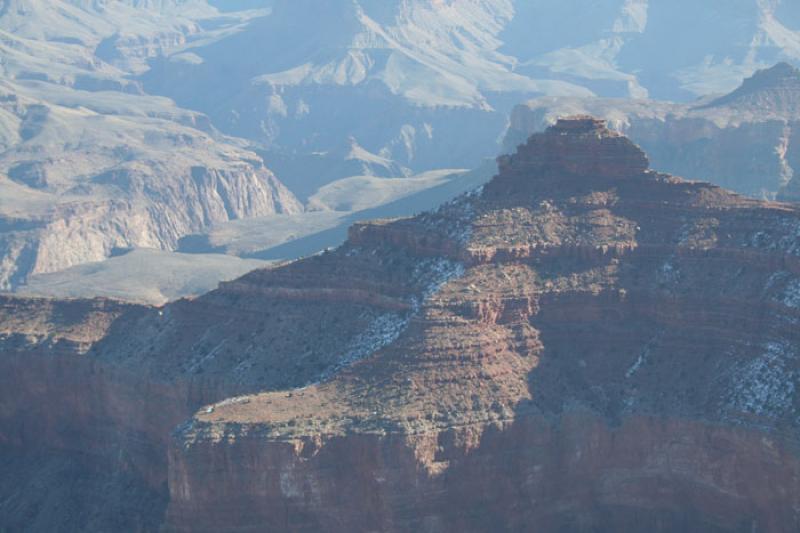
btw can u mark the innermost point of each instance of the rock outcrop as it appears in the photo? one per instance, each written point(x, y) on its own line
point(745, 141)
point(582, 345)
point(76, 184)
point(770, 91)
point(88, 163)
point(443, 76)
point(390, 88)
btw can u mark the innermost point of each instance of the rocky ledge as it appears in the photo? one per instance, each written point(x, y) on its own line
point(582, 345)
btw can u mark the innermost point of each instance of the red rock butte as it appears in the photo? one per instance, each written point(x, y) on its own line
point(581, 146)
point(583, 345)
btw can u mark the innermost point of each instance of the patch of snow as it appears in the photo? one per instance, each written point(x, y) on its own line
point(791, 241)
point(668, 274)
point(454, 218)
point(791, 295)
point(643, 356)
point(382, 331)
point(784, 288)
point(386, 328)
point(434, 273)
point(765, 386)
point(785, 239)
point(774, 280)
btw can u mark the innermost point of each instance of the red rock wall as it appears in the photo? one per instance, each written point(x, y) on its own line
point(575, 473)
point(108, 415)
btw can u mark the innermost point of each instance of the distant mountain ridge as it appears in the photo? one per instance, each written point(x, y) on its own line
point(441, 76)
point(769, 91)
point(316, 93)
point(746, 140)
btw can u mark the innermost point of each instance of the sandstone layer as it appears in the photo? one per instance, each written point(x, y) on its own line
point(582, 345)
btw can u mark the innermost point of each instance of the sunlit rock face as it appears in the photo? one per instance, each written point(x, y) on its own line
point(583, 344)
point(616, 354)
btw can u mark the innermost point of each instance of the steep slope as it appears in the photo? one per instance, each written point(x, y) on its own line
point(584, 345)
point(745, 140)
point(322, 93)
point(83, 174)
point(88, 163)
point(773, 91)
point(429, 84)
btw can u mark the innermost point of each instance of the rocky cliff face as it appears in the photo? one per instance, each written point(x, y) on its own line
point(79, 183)
point(88, 163)
point(582, 345)
point(745, 140)
point(388, 88)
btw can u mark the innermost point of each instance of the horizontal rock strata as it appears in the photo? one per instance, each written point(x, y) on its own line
point(582, 345)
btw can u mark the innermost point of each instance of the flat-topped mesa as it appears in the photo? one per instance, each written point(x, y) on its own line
point(582, 124)
point(575, 147)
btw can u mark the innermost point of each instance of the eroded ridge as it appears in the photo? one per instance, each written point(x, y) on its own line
point(582, 343)
point(610, 324)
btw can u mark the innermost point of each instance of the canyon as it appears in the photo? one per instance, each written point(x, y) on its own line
point(90, 166)
point(582, 344)
point(162, 128)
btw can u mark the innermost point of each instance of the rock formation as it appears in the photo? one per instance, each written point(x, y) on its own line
point(770, 91)
point(88, 163)
point(388, 88)
point(582, 345)
point(443, 76)
point(745, 140)
point(76, 184)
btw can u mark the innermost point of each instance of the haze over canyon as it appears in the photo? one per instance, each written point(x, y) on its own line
point(186, 125)
point(400, 265)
